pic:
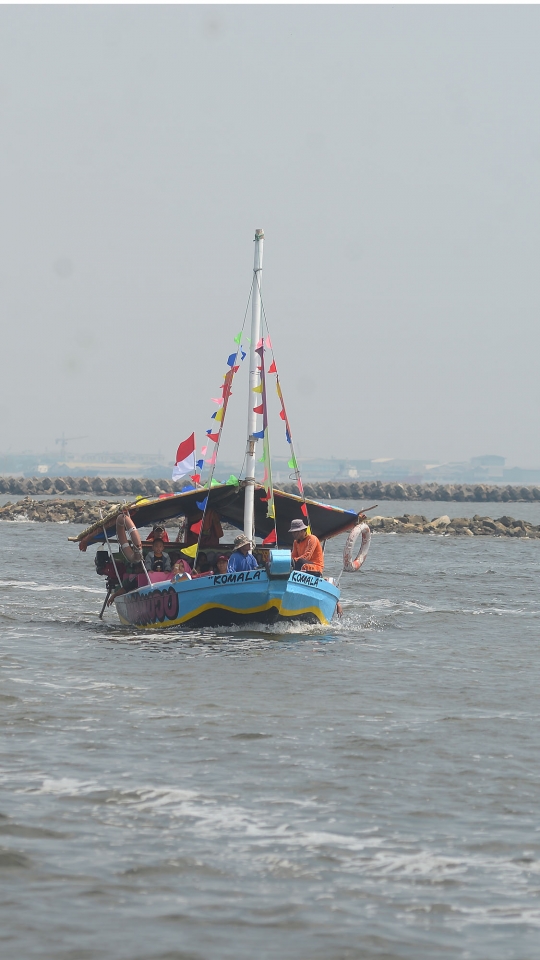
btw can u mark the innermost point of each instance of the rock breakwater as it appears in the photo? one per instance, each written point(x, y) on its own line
point(476, 526)
point(85, 512)
point(331, 490)
point(56, 511)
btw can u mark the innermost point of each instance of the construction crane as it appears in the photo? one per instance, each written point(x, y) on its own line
point(63, 441)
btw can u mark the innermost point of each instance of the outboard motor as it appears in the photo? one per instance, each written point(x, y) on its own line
point(101, 560)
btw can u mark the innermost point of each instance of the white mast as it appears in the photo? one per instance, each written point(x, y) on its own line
point(253, 382)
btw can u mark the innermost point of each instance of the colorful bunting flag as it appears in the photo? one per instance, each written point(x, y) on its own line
point(259, 435)
point(259, 409)
point(202, 504)
point(190, 551)
point(196, 478)
point(196, 527)
point(185, 458)
point(271, 538)
point(272, 368)
point(214, 437)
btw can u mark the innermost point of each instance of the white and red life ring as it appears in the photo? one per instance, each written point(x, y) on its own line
point(350, 564)
point(128, 538)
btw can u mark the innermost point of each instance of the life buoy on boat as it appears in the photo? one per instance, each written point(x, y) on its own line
point(350, 564)
point(128, 538)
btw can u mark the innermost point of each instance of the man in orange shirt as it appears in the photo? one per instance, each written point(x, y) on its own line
point(307, 553)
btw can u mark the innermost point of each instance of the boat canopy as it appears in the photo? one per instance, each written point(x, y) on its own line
point(228, 502)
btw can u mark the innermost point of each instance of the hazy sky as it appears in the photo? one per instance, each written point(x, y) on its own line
point(392, 156)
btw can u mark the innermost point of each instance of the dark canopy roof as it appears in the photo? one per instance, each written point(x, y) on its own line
point(228, 502)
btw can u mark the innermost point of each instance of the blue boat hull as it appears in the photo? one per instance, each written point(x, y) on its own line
point(229, 600)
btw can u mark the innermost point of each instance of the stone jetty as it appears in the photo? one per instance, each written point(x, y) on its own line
point(61, 510)
point(331, 490)
point(56, 511)
point(476, 526)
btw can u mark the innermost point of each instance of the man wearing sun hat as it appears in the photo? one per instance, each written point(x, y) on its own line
point(241, 559)
point(307, 553)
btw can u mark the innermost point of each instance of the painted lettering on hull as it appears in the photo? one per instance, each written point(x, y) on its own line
point(153, 607)
point(237, 577)
point(298, 577)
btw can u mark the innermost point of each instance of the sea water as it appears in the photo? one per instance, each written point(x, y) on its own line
point(366, 789)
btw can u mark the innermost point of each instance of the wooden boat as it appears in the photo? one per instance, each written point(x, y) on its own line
point(272, 593)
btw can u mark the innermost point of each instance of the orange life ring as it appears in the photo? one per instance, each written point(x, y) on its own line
point(128, 538)
point(350, 564)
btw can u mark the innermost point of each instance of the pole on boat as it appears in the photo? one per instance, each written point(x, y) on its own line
point(249, 499)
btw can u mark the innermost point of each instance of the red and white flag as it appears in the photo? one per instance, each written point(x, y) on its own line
point(185, 458)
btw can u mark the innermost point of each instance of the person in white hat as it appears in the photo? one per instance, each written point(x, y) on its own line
point(241, 559)
point(307, 552)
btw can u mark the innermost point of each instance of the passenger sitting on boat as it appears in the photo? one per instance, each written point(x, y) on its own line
point(158, 531)
point(221, 564)
point(307, 553)
point(241, 559)
point(181, 569)
point(203, 566)
point(156, 560)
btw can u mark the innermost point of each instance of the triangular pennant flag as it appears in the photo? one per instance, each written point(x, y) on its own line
point(190, 551)
point(218, 400)
point(188, 486)
point(185, 458)
point(259, 435)
point(219, 414)
point(203, 450)
point(303, 508)
point(272, 368)
point(214, 437)
point(292, 464)
point(271, 538)
point(200, 463)
point(202, 504)
point(196, 478)
point(259, 409)
point(238, 337)
point(196, 527)
point(232, 481)
point(212, 460)
point(288, 436)
point(258, 389)
point(243, 355)
point(231, 360)
point(283, 415)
